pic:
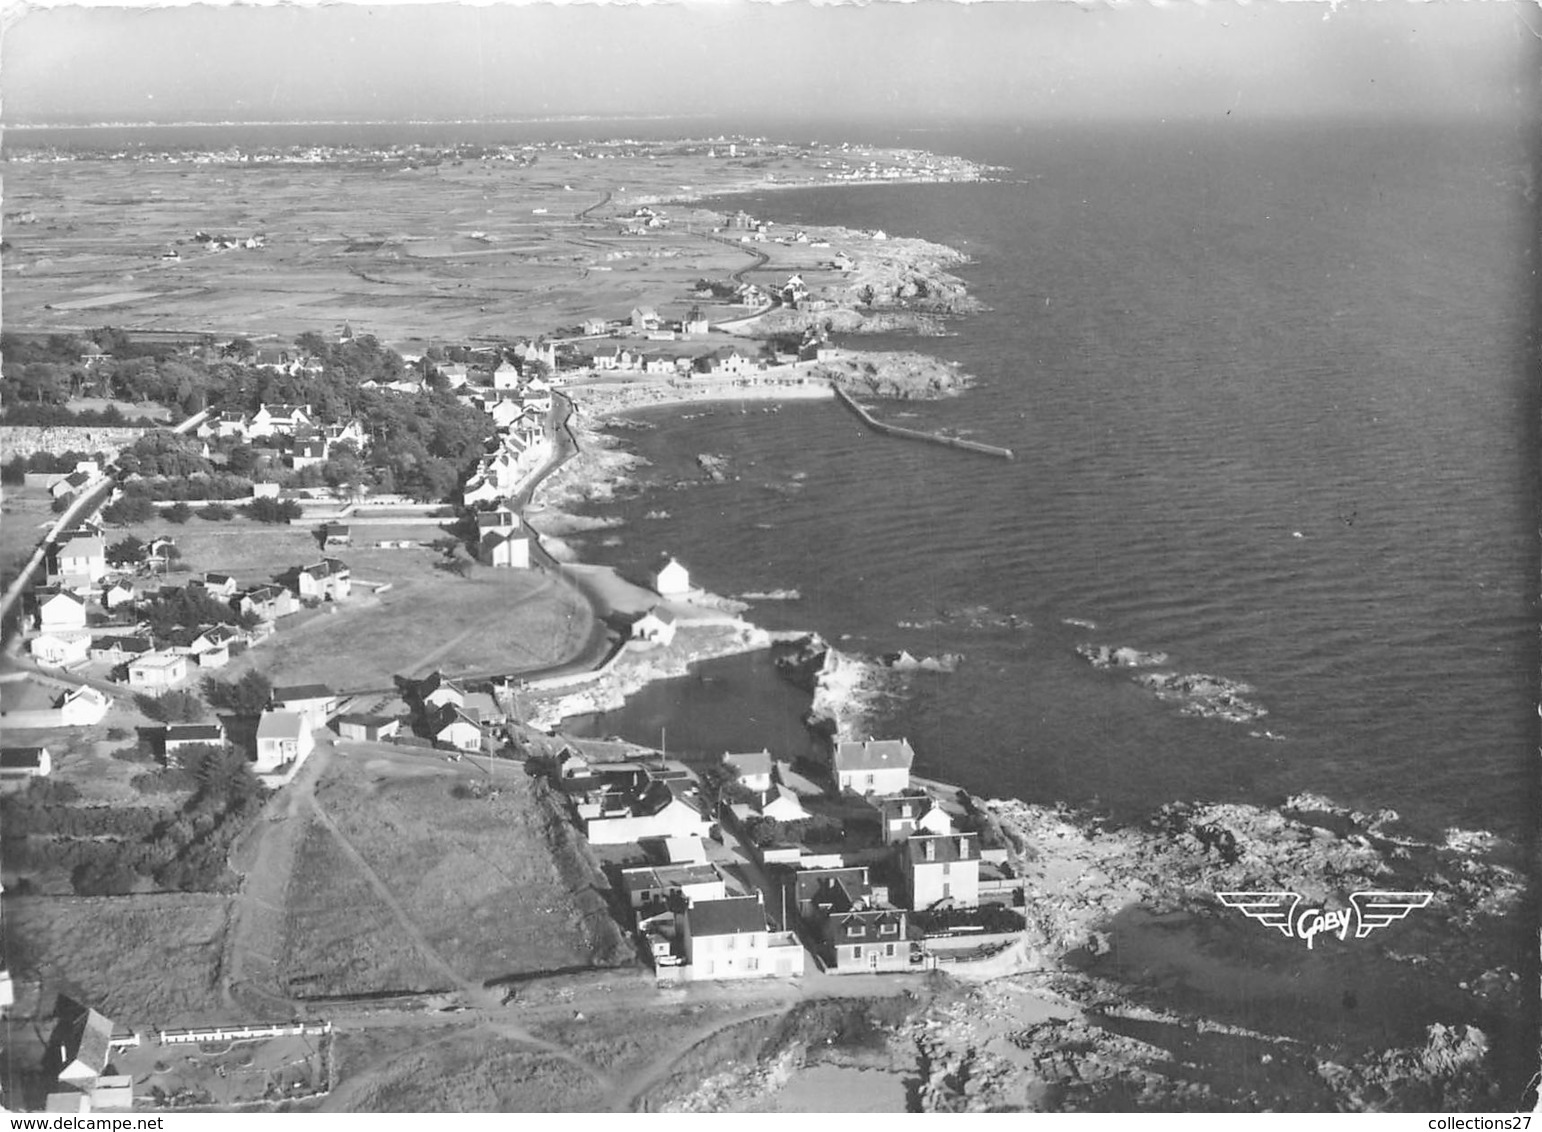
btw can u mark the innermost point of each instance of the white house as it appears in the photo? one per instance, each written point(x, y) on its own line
point(60, 610)
point(672, 580)
point(59, 650)
point(938, 869)
point(157, 671)
point(81, 707)
point(504, 542)
point(780, 804)
point(81, 560)
point(282, 737)
point(658, 811)
point(730, 939)
point(872, 766)
point(751, 770)
point(506, 376)
point(654, 627)
point(457, 727)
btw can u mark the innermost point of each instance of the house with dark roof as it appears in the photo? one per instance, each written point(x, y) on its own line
point(941, 870)
point(900, 815)
point(434, 691)
point(455, 726)
point(865, 939)
point(315, 703)
point(120, 650)
point(731, 939)
point(658, 809)
point(80, 1048)
point(328, 580)
point(268, 602)
point(818, 892)
point(25, 762)
point(187, 736)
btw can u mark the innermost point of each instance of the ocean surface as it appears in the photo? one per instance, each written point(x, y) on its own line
point(1268, 392)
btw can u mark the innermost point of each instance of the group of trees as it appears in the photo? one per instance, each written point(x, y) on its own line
point(420, 445)
point(111, 850)
point(816, 830)
point(15, 470)
point(245, 697)
point(173, 608)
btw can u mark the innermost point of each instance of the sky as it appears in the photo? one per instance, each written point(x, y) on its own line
point(919, 61)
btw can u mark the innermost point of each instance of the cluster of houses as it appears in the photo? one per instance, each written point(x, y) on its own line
point(84, 589)
point(451, 714)
point(853, 902)
point(295, 428)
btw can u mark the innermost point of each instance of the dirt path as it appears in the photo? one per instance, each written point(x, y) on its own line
point(266, 859)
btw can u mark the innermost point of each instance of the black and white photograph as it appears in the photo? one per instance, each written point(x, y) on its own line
point(761, 556)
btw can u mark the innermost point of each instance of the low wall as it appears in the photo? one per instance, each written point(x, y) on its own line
point(970, 941)
point(27, 440)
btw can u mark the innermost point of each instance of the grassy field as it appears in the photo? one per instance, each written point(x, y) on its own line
point(339, 939)
point(250, 552)
point(478, 876)
point(473, 1071)
point(25, 516)
point(142, 961)
point(494, 621)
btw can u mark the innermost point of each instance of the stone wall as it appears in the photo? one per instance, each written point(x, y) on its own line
point(25, 440)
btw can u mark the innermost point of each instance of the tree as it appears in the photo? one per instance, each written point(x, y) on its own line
point(172, 707)
point(126, 551)
point(273, 510)
point(128, 510)
point(241, 460)
point(179, 512)
point(246, 696)
point(215, 512)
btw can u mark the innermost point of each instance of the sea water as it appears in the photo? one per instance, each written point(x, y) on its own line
point(1266, 387)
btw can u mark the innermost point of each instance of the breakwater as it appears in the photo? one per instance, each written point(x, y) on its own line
point(912, 434)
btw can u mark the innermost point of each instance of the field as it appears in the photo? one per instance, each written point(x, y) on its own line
point(478, 877)
point(142, 961)
point(456, 251)
point(249, 551)
point(25, 517)
point(339, 939)
point(494, 621)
